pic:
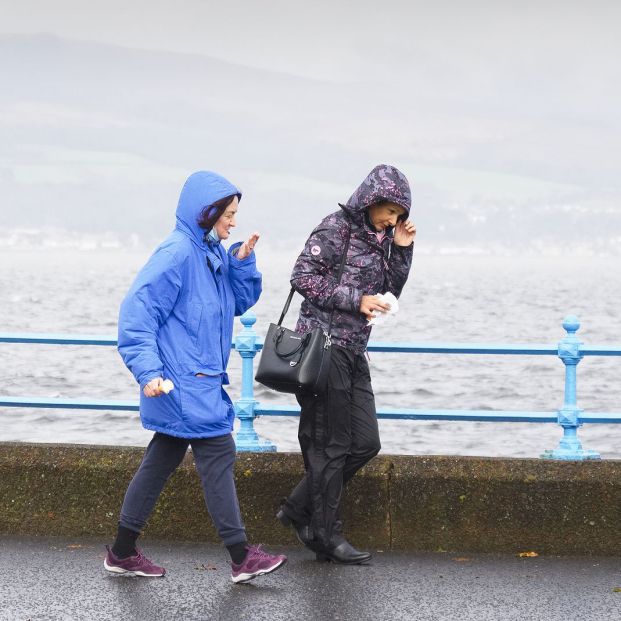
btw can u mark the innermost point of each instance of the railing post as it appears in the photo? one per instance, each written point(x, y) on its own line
point(245, 343)
point(569, 352)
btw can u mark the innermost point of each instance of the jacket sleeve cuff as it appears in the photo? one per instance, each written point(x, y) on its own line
point(347, 298)
point(145, 378)
point(356, 298)
point(405, 251)
point(251, 259)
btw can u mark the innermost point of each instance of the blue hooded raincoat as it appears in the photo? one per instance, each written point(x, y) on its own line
point(177, 319)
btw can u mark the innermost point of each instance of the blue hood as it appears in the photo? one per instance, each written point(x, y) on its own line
point(202, 188)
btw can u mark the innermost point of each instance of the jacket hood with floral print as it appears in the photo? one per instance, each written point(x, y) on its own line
point(383, 183)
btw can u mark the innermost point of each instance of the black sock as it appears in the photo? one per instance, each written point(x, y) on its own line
point(125, 543)
point(238, 552)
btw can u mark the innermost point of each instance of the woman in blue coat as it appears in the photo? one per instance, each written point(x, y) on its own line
point(176, 325)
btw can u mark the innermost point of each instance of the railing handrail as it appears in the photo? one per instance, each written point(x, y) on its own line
point(61, 403)
point(570, 350)
point(494, 416)
point(44, 338)
point(418, 347)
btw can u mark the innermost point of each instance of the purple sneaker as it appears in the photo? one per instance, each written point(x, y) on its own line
point(138, 565)
point(256, 563)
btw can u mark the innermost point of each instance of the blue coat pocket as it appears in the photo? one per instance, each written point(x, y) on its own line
point(205, 406)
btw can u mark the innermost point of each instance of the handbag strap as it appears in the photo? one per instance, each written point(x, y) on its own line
point(338, 282)
point(286, 308)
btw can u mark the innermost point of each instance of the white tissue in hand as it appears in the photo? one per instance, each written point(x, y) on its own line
point(167, 386)
point(381, 317)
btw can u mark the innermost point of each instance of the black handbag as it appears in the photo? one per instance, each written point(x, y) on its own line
point(294, 362)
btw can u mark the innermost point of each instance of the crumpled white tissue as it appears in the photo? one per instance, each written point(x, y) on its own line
point(167, 386)
point(381, 317)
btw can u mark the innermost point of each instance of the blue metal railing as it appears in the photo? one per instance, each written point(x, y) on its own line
point(247, 343)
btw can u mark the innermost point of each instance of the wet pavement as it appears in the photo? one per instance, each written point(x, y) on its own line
point(61, 579)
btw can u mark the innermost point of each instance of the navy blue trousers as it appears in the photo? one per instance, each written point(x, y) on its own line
point(214, 459)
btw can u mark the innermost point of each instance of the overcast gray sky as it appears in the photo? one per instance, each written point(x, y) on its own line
point(504, 116)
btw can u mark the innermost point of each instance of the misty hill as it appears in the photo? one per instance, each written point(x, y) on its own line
point(97, 137)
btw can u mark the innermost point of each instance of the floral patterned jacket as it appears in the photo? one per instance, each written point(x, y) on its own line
point(371, 266)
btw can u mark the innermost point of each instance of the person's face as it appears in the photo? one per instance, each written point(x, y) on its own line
point(227, 221)
point(385, 215)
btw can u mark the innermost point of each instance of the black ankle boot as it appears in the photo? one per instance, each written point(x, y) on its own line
point(303, 531)
point(341, 551)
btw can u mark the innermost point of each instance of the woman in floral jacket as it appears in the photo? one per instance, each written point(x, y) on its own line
point(338, 430)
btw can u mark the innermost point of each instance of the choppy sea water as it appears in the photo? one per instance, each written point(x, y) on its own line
point(458, 298)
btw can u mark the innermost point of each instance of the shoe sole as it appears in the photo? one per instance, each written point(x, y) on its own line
point(323, 558)
point(119, 570)
point(243, 578)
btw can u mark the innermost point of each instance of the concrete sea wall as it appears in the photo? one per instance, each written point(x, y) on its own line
point(397, 502)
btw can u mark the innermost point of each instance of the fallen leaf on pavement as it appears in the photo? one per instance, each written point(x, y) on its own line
point(203, 567)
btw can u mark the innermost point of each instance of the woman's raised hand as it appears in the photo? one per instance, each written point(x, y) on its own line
point(248, 246)
point(405, 232)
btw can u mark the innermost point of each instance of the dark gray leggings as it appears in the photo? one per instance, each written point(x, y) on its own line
point(214, 459)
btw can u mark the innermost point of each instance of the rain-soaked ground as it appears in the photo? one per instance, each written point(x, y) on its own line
point(63, 579)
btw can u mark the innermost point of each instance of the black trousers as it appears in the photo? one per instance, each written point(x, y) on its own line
point(338, 435)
